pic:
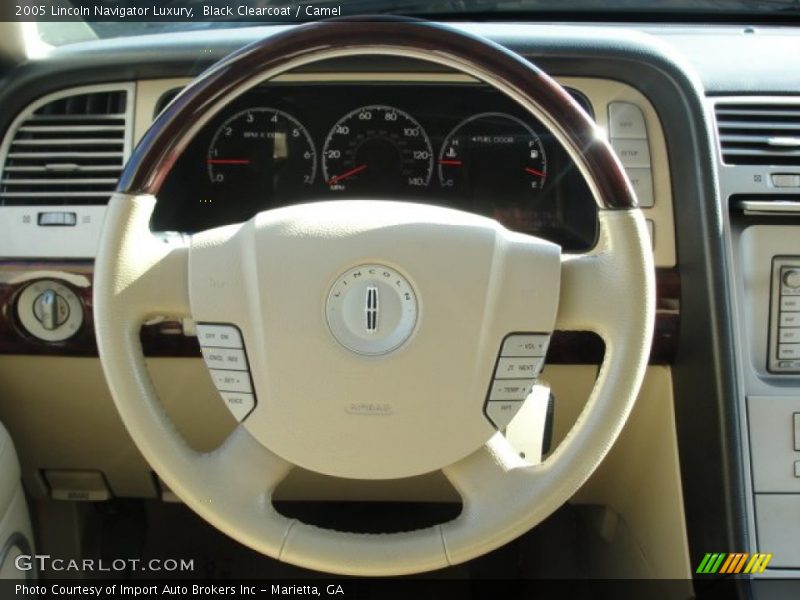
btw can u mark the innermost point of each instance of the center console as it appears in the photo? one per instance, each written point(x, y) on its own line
point(760, 185)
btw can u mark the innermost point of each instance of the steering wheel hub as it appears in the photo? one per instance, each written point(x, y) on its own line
point(371, 309)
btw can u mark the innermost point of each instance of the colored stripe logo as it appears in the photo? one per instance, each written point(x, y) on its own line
point(728, 563)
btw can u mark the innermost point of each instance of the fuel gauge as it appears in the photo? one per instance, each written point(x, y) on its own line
point(493, 158)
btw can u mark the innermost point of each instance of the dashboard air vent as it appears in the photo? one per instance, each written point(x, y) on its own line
point(67, 149)
point(759, 133)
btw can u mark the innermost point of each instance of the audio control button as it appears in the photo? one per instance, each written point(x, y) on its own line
point(525, 345)
point(518, 368)
point(788, 351)
point(791, 278)
point(790, 319)
point(790, 303)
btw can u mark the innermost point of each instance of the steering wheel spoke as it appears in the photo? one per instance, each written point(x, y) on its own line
point(147, 275)
point(601, 290)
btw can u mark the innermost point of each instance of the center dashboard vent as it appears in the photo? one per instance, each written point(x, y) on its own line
point(759, 133)
point(67, 148)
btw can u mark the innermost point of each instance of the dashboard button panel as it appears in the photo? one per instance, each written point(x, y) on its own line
point(784, 330)
point(226, 358)
point(519, 364)
point(628, 135)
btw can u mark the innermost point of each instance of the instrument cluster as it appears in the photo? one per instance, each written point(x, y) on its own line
point(460, 145)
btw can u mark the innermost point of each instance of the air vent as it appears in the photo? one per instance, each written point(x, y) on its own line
point(759, 133)
point(67, 149)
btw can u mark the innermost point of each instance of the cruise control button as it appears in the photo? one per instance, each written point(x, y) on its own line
point(225, 358)
point(518, 368)
point(231, 381)
point(240, 404)
point(219, 336)
point(511, 389)
point(525, 345)
point(625, 120)
point(632, 153)
point(501, 413)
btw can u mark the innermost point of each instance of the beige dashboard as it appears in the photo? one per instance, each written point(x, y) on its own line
point(68, 433)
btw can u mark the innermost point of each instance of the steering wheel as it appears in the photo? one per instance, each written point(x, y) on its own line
point(409, 396)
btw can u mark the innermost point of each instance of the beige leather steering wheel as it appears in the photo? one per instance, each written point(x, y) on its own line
point(473, 283)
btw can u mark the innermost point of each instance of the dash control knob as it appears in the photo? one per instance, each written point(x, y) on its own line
point(791, 278)
point(50, 310)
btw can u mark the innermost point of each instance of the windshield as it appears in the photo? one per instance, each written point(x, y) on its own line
point(66, 21)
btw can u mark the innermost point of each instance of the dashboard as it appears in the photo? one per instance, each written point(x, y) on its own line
point(461, 145)
point(315, 137)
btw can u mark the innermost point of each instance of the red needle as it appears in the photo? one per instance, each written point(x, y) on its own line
point(534, 172)
point(454, 163)
point(337, 178)
point(228, 161)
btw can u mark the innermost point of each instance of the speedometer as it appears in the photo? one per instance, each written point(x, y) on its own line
point(377, 150)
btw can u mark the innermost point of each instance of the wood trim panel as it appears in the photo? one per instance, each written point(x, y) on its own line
point(158, 339)
point(166, 338)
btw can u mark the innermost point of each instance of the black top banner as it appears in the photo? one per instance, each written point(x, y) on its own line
point(182, 11)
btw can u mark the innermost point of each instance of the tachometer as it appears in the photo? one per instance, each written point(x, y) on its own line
point(262, 152)
point(493, 157)
point(377, 150)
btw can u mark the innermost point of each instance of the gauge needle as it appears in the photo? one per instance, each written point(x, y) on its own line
point(228, 161)
point(454, 163)
point(534, 172)
point(337, 178)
